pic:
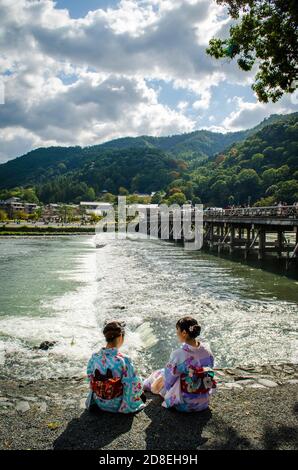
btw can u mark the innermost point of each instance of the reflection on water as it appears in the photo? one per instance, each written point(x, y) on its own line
point(63, 289)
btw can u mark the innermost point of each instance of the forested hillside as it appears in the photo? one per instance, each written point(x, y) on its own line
point(263, 168)
point(45, 164)
point(115, 171)
point(202, 166)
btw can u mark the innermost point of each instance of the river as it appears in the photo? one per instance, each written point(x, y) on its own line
point(63, 289)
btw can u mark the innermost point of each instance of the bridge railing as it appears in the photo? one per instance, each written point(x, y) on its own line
point(281, 211)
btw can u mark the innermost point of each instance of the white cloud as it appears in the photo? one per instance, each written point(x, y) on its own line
point(204, 101)
point(40, 44)
point(87, 80)
point(91, 110)
point(182, 105)
point(249, 114)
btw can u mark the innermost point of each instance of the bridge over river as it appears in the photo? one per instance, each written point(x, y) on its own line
point(252, 231)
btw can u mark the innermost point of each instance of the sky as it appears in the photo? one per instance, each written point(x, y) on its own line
point(82, 72)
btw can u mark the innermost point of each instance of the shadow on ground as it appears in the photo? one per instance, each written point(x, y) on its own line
point(167, 429)
point(171, 430)
point(93, 430)
point(157, 428)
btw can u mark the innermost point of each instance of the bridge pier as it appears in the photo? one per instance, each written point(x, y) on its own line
point(280, 237)
point(262, 244)
point(232, 240)
point(247, 245)
point(251, 231)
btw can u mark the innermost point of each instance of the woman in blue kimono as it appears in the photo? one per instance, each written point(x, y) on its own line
point(114, 385)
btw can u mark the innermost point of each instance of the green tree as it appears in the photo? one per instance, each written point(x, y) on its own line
point(29, 195)
point(21, 215)
point(157, 197)
point(269, 177)
point(109, 197)
point(188, 190)
point(282, 172)
point(90, 194)
point(257, 161)
point(123, 191)
point(288, 191)
point(247, 185)
point(267, 34)
point(174, 190)
point(272, 190)
point(177, 198)
point(66, 213)
point(95, 218)
point(220, 192)
point(3, 215)
point(265, 201)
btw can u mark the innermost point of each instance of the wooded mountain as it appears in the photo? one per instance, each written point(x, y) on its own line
point(203, 165)
point(262, 169)
point(43, 164)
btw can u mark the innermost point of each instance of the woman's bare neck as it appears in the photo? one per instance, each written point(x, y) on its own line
point(193, 343)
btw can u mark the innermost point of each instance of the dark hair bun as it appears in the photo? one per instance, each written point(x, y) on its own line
point(190, 325)
point(113, 330)
point(194, 331)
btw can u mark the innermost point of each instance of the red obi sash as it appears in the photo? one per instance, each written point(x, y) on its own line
point(106, 387)
point(198, 380)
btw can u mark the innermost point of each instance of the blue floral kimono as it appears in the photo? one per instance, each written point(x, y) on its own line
point(186, 382)
point(129, 399)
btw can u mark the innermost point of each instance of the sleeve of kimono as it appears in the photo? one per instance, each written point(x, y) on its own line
point(132, 389)
point(170, 372)
point(211, 360)
point(208, 361)
point(90, 366)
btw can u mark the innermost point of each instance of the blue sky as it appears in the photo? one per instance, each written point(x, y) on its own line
point(84, 72)
point(78, 8)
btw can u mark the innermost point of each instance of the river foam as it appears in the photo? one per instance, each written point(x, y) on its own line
point(149, 284)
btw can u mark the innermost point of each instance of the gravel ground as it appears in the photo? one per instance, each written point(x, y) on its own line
point(51, 415)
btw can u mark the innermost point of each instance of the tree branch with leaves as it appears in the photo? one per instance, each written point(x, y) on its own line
point(265, 33)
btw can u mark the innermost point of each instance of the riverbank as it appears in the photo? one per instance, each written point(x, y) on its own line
point(27, 230)
point(254, 408)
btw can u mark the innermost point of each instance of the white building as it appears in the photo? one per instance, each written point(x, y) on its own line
point(97, 208)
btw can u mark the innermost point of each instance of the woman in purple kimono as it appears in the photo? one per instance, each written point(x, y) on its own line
point(114, 385)
point(186, 382)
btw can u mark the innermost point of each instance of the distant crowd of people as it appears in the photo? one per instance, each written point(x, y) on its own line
point(248, 206)
point(278, 209)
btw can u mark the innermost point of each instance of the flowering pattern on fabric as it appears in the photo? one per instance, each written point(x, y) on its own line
point(181, 389)
point(121, 366)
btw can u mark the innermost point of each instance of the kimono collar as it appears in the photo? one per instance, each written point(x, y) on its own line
point(189, 348)
point(110, 351)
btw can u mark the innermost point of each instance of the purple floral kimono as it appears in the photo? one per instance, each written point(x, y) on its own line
point(186, 382)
